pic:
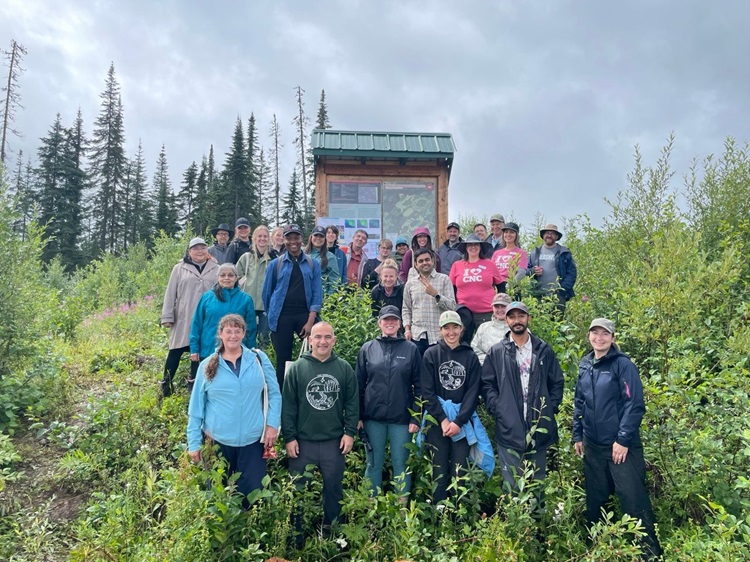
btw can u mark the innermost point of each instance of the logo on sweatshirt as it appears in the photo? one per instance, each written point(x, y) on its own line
point(322, 392)
point(452, 375)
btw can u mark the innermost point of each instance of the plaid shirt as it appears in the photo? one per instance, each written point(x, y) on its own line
point(421, 312)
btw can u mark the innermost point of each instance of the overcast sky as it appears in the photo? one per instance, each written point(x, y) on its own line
point(545, 100)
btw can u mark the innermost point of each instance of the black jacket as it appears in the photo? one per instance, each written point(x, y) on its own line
point(379, 298)
point(451, 374)
point(388, 373)
point(609, 403)
point(501, 388)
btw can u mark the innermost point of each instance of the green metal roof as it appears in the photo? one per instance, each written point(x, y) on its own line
point(361, 144)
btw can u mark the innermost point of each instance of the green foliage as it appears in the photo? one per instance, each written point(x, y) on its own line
point(349, 310)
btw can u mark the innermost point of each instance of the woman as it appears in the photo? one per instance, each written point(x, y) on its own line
point(451, 377)
point(388, 290)
point(371, 272)
point(332, 241)
point(608, 410)
point(236, 404)
point(512, 258)
point(226, 297)
point(241, 242)
point(195, 274)
point(475, 279)
point(252, 270)
point(329, 268)
point(387, 391)
point(421, 239)
point(277, 240)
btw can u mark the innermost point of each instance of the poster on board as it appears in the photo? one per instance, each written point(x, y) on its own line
point(408, 205)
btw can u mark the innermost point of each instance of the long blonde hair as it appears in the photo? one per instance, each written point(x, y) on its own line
point(233, 320)
point(255, 240)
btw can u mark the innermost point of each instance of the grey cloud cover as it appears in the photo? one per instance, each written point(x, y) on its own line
point(545, 100)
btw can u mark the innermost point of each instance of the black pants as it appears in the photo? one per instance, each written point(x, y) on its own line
point(283, 340)
point(422, 345)
point(449, 459)
point(327, 456)
point(627, 480)
point(248, 461)
point(170, 368)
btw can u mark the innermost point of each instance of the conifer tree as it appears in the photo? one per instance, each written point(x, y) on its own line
point(12, 97)
point(322, 121)
point(235, 195)
point(201, 214)
point(291, 211)
point(166, 211)
point(213, 189)
point(22, 189)
point(274, 154)
point(265, 202)
point(301, 123)
point(187, 197)
point(139, 217)
point(254, 213)
point(107, 166)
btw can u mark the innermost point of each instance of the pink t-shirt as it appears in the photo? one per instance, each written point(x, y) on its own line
point(475, 284)
point(504, 257)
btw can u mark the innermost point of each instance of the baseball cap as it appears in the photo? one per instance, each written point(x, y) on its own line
point(501, 298)
point(389, 311)
point(453, 225)
point(242, 221)
point(497, 217)
point(401, 240)
point(516, 305)
point(450, 317)
point(319, 230)
point(603, 323)
point(196, 241)
point(292, 229)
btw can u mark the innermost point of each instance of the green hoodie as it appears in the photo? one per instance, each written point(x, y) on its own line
point(320, 400)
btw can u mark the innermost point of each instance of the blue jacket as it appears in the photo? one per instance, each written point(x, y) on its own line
point(276, 285)
point(210, 310)
point(229, 408)
point(608, 403)
point(331, 274)
point(566, 269)
point(341, 260)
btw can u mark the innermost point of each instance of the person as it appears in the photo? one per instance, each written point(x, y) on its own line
point(241, 242)
point(224, 298)
point(221, 251)
point(480, 229)
point(448, 250)
point(402, 246)
point(332, 241)
point(426, 296)
point(277, 240)
point(475, 279)
point(371, 272)
point(421, 239)
point(329, 268)
point(292, 297)
point(522, 385)
point(190, 278)
point(510, 258)
point(451, 378)
point(252, 267)
point(608, 409)
point(356, 258)
point(236, 403)
point(388, 372)
point(388, 290)
point(553, 268)
point(494, 331)
point(319, 416)
point(495, 238)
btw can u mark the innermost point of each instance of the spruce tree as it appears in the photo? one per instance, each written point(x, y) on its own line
point(166, 211)
point(322, 121)
point(12, 97)
point(187, 197)
point(301, 123)
point(265, 202)
point(140, 223)
point(254, 212)
point(274, 155)
point(107, 166)
point(22, 189)
point(291, 211)
point(202, 213)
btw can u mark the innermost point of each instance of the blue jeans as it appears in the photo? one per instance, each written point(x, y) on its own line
point(398, 435)
point(264, 332)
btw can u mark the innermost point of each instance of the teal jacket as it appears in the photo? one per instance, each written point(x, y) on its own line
point(331, 274)
point(229, 408)
point(210, 310)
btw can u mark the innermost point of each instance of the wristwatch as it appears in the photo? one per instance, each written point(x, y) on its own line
point(437, 297)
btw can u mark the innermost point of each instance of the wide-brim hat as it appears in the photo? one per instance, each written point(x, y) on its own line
point(550, 227)
point(484, 247)
point(223, 226)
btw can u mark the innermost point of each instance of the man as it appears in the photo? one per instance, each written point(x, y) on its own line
point(426, 297)
point(402, 245)
point(448, 250)
point(497, 222)
point(522, 385)
point(221, 251)
point(494, 331)
point(292, 297)
point(356, 258)
point(480, 229)
point(319, 415)
point(553, 268)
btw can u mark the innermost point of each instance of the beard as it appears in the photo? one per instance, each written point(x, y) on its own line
point(518, 328)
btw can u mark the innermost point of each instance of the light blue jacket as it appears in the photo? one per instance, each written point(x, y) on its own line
point(229, 408)
point(331, 274)
point(276, 285)
point(210, 311)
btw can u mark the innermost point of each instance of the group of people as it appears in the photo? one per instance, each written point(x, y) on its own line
point(422, 356)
